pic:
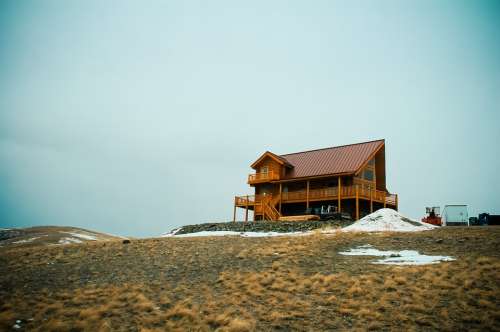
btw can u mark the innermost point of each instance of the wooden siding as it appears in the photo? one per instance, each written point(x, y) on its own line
point(380, 169)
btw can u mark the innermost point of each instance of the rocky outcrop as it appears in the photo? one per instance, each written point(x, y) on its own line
point(264, 226)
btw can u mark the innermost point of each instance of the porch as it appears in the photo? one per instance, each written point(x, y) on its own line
point(262, 177)
point(258, 203)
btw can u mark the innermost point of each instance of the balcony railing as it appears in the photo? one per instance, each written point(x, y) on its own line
point(246, 200)
point(324, 194)
point(333, 193)
point(262, 177)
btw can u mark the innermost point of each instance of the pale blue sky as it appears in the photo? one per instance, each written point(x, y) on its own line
point(134, 117)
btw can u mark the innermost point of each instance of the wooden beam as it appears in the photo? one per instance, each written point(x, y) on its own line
point(304, 178)
point(357, 203)
point(371, 200)
point(246, 210)
point(280, 200)
point(339, 188)
point(307, 195)
point(234, 210)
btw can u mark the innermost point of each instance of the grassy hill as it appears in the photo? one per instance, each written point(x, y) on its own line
point(49, 235)
point(244, 284)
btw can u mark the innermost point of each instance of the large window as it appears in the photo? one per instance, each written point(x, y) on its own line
point(368, 174)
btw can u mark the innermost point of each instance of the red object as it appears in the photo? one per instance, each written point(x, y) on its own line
point(433, 216)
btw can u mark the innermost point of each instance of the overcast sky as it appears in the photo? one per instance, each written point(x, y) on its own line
point(136, 117)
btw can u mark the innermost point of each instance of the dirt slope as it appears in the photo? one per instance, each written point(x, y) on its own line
point(245, 284)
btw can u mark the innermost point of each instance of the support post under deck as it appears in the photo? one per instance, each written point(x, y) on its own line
point(307, 194)
point(371, 200)
point(357, 203)
point(280, 199)
point(246, 210)
point(339, 188)
point(234, 210)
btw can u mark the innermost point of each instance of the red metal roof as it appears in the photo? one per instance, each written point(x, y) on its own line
point(334, 160)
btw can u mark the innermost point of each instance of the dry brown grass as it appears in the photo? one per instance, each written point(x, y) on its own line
point(422, 295)
point(284, 283)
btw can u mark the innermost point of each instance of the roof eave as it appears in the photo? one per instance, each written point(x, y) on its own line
point(314, 177)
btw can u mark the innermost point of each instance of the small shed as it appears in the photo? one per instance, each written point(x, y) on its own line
point(455, 215)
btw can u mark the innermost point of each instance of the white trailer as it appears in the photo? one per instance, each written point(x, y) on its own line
point(455, 215)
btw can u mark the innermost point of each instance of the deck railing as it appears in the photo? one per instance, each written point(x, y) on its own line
point(262, 204)
point(248, 199)
point(391, 199)
point(263, 177)
point(323, 194)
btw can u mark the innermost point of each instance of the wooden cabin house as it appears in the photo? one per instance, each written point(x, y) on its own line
point(350, 178)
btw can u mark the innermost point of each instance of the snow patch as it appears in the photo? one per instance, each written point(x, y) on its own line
point(232, 233)
point(171, 233)
point(387, 220)
point(383, 220)
point(82, 236)
point(112, 235)
point(27, 240)
point(69, 240)
point(403, 257)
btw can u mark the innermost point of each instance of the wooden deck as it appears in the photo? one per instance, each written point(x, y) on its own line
point(267, 205)
point(326, 194)
point(262, 177)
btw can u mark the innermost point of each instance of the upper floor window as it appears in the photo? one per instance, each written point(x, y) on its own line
point(264, 169)
point(372, 162)
point(368, 174)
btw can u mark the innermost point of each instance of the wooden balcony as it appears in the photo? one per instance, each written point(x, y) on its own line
point(324, 194)
point(262, 177)
point(249, 200)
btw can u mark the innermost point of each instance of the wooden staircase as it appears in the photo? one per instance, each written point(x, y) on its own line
point(269, 211)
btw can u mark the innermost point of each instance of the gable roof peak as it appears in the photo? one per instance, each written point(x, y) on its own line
point(277, 158)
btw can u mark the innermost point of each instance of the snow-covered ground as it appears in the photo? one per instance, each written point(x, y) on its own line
point(27, 240)
point(111, 235)
point(387, 220)
point(403, 257)
point(51, 235)
point(231, 233)
point(82, 236)
point(383, 220)
point(69, 240)
point(171, 233)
